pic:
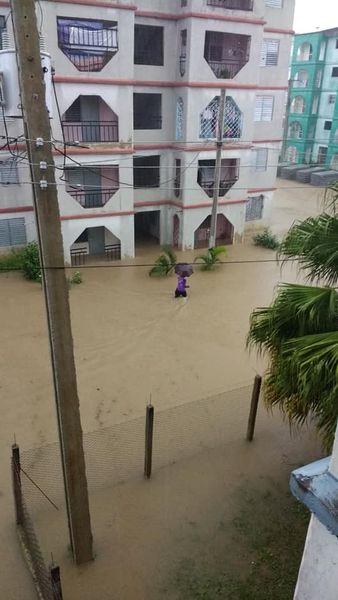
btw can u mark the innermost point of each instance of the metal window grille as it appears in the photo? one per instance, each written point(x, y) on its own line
point(264, 108)
point(148, 47)
point(8, 171)
point(301, 79)
point(269, 53)
point(179, 118)
point(254, 208)
point(304, 52)
point(259, 159)
point(327, 125)
point(12, 232)
point(332, 99)
point(147, 172)
point(2, 28)
point(274, 3)
point(232, 119)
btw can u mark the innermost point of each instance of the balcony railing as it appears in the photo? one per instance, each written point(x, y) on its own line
point(91, 131)
point(92, 198)
point(232, 4)
point(147, 122)
point(83, 38)
point(226, 69)
point(224, 185)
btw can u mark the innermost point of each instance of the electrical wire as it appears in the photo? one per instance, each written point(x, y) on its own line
point(148, 265)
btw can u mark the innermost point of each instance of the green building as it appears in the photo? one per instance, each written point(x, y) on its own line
point(312, 115)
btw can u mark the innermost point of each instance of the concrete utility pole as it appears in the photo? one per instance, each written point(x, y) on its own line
point(219, 146)
point(38, 134)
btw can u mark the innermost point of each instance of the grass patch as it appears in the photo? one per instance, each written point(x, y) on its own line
point(261, 553)
point(12, 261)
point(266, 239)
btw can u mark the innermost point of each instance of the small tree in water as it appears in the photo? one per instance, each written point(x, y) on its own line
point(31, 262)
point(211, 258)
point(165, 263)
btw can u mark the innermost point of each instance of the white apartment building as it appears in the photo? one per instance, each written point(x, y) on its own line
point(137, 91)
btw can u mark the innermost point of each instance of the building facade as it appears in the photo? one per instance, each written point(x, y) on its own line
point(134, 105)
point(312, 133)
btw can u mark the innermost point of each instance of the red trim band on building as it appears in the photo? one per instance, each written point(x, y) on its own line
point(171, 84)
point(100, 215)
point(100, 3)
point(16, 209)
point(277, 30)
point(198, 15)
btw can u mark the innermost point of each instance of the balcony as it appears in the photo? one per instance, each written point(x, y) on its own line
point(232, 4)
point(206, 175)
point(92, 187)
point(91, 131)
point(226, 53)
point(93, 198)
point(89, 44)
point(89, 119)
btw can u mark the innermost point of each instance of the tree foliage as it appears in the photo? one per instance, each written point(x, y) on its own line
point(299, 330)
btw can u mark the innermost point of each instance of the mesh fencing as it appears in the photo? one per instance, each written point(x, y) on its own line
point(115, 454)
point(46, 587)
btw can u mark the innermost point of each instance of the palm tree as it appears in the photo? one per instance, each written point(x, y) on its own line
point(211, 258)
point(165, 263)
point(299, 330)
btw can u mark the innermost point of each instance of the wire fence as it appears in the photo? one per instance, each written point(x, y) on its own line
point(129, 450)
point(46, 579)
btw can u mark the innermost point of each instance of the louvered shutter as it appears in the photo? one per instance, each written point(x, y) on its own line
point(274, 3)
point(263, 108)
point(8, 171)
point(269, 53)
point(12, 232)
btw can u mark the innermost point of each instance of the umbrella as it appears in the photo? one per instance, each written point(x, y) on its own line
point(184, 269)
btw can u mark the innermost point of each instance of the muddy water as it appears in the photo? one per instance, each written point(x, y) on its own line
point(132, 340)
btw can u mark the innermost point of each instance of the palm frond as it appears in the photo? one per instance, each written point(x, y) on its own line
point(314, 243)
point(297, 310)
point(303, 382)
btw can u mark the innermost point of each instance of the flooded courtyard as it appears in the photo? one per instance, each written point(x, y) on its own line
point(133, 341)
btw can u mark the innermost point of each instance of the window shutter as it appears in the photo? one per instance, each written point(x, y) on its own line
point(259, 159)
point(263, 108)
point(8, 171)
point(13, 232)
point(269, 53)
point(274, 3)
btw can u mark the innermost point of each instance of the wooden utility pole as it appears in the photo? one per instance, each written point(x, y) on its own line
point(217, 179)
point(39, 146)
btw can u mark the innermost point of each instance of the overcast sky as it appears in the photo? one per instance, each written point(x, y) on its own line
point(311, 14)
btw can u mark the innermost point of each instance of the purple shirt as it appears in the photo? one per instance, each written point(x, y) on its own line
point(181, 283)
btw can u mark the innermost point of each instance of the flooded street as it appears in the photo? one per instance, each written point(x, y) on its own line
point(134, 341)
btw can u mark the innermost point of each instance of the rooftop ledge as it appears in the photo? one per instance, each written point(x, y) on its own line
point(317, 489)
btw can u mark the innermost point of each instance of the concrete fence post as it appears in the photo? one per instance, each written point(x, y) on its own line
point(148, 441)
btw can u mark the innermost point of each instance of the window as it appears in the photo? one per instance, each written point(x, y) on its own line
point(319, 78)
point(184, 3)
point(183, 54)
point(301, 79)
point(291, 154)
point(177, 180)
point(226, 53)
point(8, 171)
point(295, 130)
point(335, 72)
point(334, 162)
point(147, 111)
point(322, 50)
point(259, 159)
point(2, 28)
point(269, 53)
point(337, 44)
point(179, 118)
point(332, 99)
point(232, 119)
point(254, 208)
point(327, 125)
point(264, 108)
point(297, 105)
point(304, 52)
point(13, 232)
point(148, 48)
point(147, 172)
point(315, 104)
point(274, 3)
